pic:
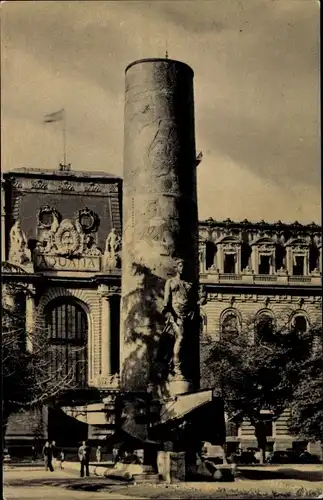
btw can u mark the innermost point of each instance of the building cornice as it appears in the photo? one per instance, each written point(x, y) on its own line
point(260, 225)
point(76, 175)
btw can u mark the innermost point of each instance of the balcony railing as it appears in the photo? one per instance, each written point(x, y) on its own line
point(260, 279)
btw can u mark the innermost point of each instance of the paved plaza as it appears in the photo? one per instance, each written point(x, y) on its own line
point(34, 483)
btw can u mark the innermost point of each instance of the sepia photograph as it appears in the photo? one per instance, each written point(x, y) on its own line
point(161, 249)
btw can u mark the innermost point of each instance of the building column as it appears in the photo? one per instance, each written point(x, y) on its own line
point(306, 270)
point(202, 256)
point(30, 317)
point(254, 259)
point(238, 261)
point(220, 259)
point(105, 331)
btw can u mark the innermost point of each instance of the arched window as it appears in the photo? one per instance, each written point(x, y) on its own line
point(67, 328)
point(264, 326)
point(230, 324)
point(299, 323)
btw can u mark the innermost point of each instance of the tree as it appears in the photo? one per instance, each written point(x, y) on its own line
point(306, 417)
point(257, 369)
point(28, 381)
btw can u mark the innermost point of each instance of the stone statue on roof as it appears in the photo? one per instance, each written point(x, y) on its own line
point(19, 252)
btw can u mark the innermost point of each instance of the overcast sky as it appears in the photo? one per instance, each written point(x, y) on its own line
point(256, 65)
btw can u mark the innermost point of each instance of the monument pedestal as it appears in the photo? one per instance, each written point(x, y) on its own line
point(171, 466)
point(179, 385)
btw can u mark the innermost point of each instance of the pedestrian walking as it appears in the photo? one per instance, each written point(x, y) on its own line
point(33, 453)
point(54, 452)
point(48, 456)
point(84, 457)
point(61, 458)
point(98, 454)
point(234, 467)
point(115, 454)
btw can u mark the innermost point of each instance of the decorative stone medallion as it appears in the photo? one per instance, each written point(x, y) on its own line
point(88, 220)
point(67, 238)
point(45, 217)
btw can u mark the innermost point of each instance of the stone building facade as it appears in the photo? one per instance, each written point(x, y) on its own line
point(255, 270)
point(63, 231)
point(62, 228)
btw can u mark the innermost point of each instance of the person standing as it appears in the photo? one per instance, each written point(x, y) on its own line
point(48, 456)
point(98, 454)
point(54, 452)
point(61, 458)
point(115, 454)
point(84, 457)
point(33, 453)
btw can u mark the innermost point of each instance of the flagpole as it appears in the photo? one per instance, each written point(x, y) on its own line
point(64, 136)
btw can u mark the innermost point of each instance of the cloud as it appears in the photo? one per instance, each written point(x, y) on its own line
point(256, 65)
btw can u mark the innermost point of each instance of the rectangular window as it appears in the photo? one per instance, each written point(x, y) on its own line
point(229, 263)
point(298, 267)
point(264, 264)
point(268, 424)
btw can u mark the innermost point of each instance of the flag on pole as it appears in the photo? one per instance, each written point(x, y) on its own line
point(54, 117)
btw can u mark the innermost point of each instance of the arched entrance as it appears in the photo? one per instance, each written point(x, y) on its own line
point(67, 331)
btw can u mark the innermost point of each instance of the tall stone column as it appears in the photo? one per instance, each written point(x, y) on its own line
point(105, 331)
point(3, 225)
point(160, 223)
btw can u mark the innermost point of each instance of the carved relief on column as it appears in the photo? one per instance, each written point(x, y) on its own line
point(320, 257)
point(159, 216)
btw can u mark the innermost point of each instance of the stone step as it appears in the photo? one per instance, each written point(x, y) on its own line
point(146, 478)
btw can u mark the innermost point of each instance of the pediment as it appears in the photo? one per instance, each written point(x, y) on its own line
point(293, 242)
point(228, 239)
point(263, 240)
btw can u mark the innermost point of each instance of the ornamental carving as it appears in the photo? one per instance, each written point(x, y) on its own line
point(230, 247)
point(300, 250)
point(18, 252)
point(266, 249)
point(16, 183)
point(112, 252)
point(92, 187)
point(109, 291)
point(88, 220)
point(66, 186)
point(46, 216)
point(66, 239)
point(39, 184)
point(296, 243)
point(112, 188)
